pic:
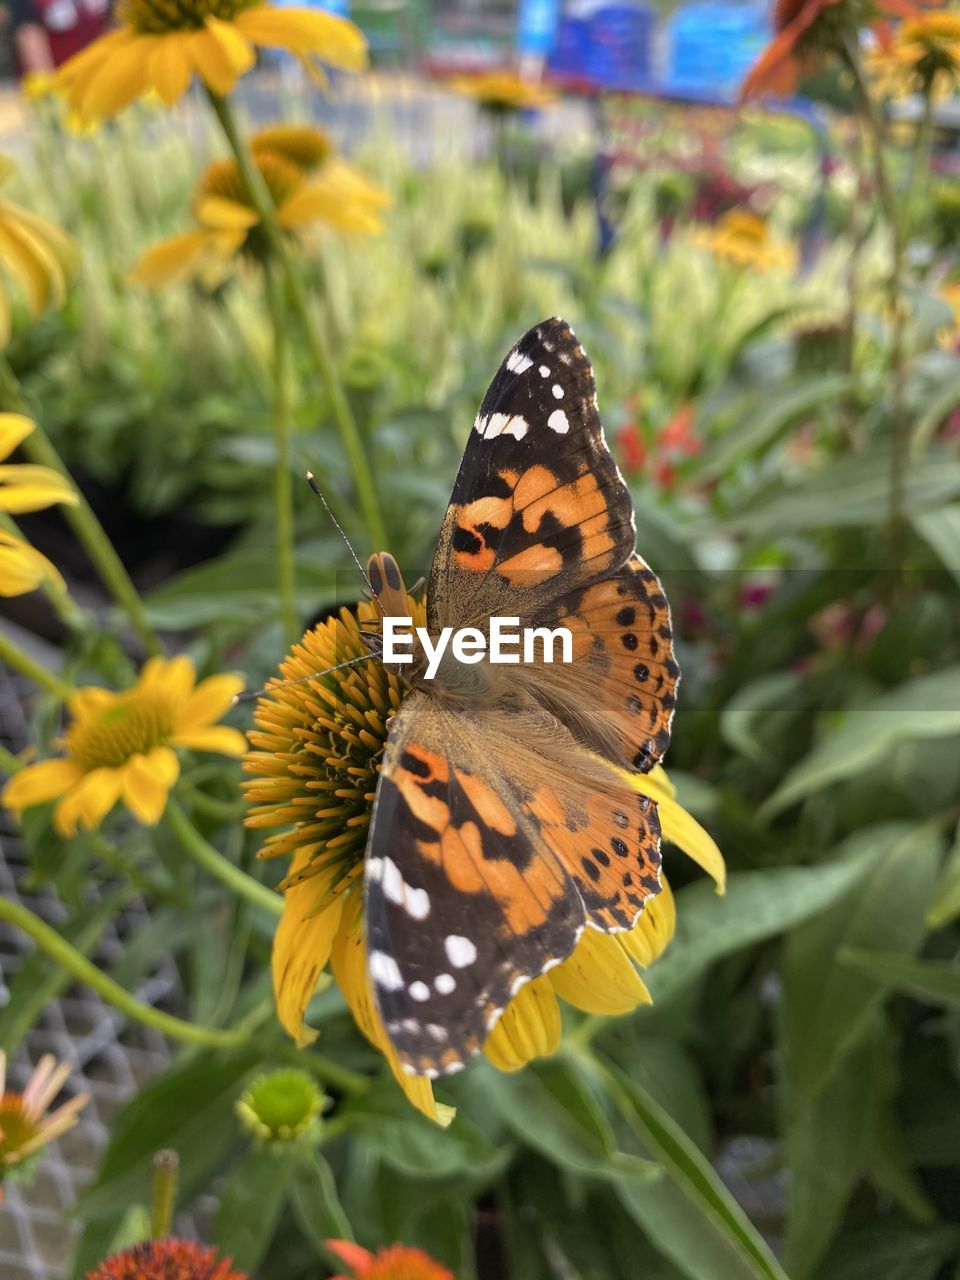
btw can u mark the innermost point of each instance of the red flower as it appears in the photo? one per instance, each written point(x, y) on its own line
point(678, 435)
point(632, 446)
point(166, 1260)
point(790, 54)
point(395, 1263)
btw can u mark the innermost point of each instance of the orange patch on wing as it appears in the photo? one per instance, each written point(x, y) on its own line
point(531, 567)
point(576, 503)
point(487, 803)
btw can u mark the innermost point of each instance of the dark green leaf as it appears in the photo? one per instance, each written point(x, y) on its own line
point(252, 1201)
point(934, 981)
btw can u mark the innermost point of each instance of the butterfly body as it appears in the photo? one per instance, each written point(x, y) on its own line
point(505, 822)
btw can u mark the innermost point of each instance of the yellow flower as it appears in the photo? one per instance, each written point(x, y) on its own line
point(120, 746)
point(923, 57)
point(161, 44)
point(22, 487)
point(308, 185)
point(36, 254)
point(503, 91)
point(743, 239)
point(316, 756)
point(23, 568)
point(26, 1122)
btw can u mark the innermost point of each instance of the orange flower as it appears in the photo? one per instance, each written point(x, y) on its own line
point(396, 1263)
point(166, 1260)
point(801, 30)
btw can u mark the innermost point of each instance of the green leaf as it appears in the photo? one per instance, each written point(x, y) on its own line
point(935, 981)
point(316, 1202)
point(941, 529)
point(885, 1250)
point(689, 1215)
point(190, 1109)
point(945, 907)
point(752, 702)
point(826, 1005)
point(757, 905)
point(252, 1201)
point(771, 414)
point(928, 707)
point(825, 1139)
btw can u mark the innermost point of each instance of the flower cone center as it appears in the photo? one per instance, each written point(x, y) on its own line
point(222, 179)
point(158, 17)
point(130, 726)
point(17, 1129)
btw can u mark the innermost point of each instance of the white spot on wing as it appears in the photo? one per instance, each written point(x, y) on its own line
point(559, 422)
point(445, 983)
point(385, 971)
point(436, 1032)
point(502, 424)
point(544, 371)
point(416, 902)
point(419, 991)
point(557, 391)
point(460, 951)
point(518, 363)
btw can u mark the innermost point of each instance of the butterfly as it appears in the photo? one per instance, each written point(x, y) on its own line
point(504, 821)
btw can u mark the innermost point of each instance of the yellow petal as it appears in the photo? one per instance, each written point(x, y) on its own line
point(88, 701)
point(27, 488)
point(23, 568)
point(147, 780)
point(220, 55)
point(88, 802)
point(34, 270)
point(4, 317)
point(171, 69)
point(349, 963)
point(14, 429)
point(334, 40)
point(174, 678)
point(301, 950)
point(225, 214)
point(651, 935)
point(77, 70)
point(211, 699)
point(682, 828)
point(38, 783)
point(171, 261)
point(599, 977)
point(55, 239)
point(119, 79)
point(528, 1028)
point(219, 738)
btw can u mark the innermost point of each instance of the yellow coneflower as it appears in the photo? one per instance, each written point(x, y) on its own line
point(502, 91)
point(122, 746)
point(161, 44)
point(309, 185)
point(26, 1121)
point(922, 57)
point(316, 757)
point(23, 487)
point(35, 253)
point(744, 240)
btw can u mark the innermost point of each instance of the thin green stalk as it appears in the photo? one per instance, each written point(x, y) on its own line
point(83, 970)
point(205, 855)
point(343, 416)
point(282, 479)
point(14, 656)
point(899, 452)
point(85, 524)
point(9, 763)
point(166, 1167)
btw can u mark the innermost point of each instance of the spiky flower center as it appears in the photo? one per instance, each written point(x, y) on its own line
point(18, 1129)
point(222, 179)
point(318, 747)
point(158, 17)
point(132, 724)
point(166, 1260)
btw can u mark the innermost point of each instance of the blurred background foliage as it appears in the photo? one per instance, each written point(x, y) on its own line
point(788, 1105)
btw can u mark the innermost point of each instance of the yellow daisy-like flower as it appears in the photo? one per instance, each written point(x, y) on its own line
point(23, 487)
point(121, 746)
point(502, 91)
point(161, 44)
point(316, 757)
point(308, 184)
point(923, 57)
point(26, 1121)
point(744, 240)
point(35, 253)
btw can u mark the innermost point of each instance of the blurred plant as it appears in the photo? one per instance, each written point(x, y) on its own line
point(396, 1262)
point(37, 254)
point(744, 240)
point(166, 1260)
point(923, 57)
point(26, 1122)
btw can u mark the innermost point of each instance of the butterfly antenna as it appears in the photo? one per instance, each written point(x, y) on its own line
point(312, 482)
point(314, 675)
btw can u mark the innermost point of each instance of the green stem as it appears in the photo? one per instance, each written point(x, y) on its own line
point(83, 970)
point(166, 1166)
point(266, 209)
point(15, 657)
point(888, 203)
point(10, 763)
point(85, 524)
point(282, 479)
point(205, 855)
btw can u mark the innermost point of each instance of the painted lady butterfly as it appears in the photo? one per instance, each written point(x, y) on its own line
point(505, 822)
